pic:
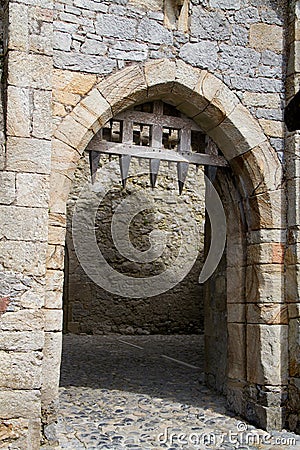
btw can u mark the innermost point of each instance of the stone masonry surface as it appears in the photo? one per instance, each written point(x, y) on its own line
point(242, 45)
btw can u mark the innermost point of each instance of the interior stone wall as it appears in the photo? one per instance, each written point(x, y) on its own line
point(91, 309)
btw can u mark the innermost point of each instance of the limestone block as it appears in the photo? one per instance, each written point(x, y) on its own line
point(236, 312)
point(267, 314)
point(238, 60)
point(236, 351)
point(55, 257)
point(236, 284)
point(225, 4)
point(124, 88)
point(53, 319)
point(62, 41)
point(18, 36)
point(56, 235)
point(238, 133)
point(94, 47)
point(18, 111)
point(29, 70)
point(266, 210)
point(24, 224)
point(266, 37)
point(66, 98)
point(209, 25)
point(34, 297)
point(32, 190)
point(28, 155)
point(51, 368)
point(292, 283)
point(73, 82)
point(293, 210)
point(42, 119)
point(272, 253)
point(262, 100)
point(93, 108)
point(60, 185)
point(21, 341)
point(267, 354)
point(202, 54)
point(153, 32)
point(20, 403)
point(24, 433)
point(272, 127)
point(23, 320)
point(7, 187)
point(220, 107)
point(264, 283)
point(53, 300)
point(73, 133)
point(259, 170)
point(29, 257)
point(160, 76)
point(116, 26)
point(54, 280)
point(294, 310)
point(20, 370)
point(155, 5)
point(266, 236)
point(294, 347)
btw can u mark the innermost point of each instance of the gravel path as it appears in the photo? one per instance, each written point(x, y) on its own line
point(147, 392)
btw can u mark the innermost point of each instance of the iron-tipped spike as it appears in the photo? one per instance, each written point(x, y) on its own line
point(124, 167)
point(94, 158)
point(154, 168)
point(182, 170)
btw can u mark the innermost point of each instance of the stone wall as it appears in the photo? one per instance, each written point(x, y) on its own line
point(89, 308)
point(242, 43)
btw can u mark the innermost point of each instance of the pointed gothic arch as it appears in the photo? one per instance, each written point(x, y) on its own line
point(254, 195)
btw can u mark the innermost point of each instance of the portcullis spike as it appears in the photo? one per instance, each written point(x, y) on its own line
point(94, 158)
point(124, 167)
point(182, 170)
point(154, 167)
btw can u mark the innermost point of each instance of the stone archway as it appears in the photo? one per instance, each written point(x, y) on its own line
point(256, 359)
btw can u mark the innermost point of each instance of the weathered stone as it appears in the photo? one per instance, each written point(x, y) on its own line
point(238, 60)
point(236, 353)
point(16, 403)
point(75, 83)
point(294, 347)
point(153, 32)
point(236, 312)
point(41, 118)
point(32, 190)
point(18, 27)
point(54, 280)
point(264, 284)
point(267, 354)
point(39, 75)
point(55, 257)
point(210, 25)
point(272, 127)
point(23, 224)
point(94, 47)
point(203, 54)
point(84, 63)
point(266, 37)
point(28, 257)
point(267, 314)
point(20, 370)
point(62, 41)
point(28, 155)
point(115, 26)
point(53, 319)
point(7, 188)
point(23, 320)
point(18, 113)
point(225, 4)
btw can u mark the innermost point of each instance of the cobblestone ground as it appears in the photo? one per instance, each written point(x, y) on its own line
point(147, 392)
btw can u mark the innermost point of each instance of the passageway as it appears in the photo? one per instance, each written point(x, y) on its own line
point(147, 392)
